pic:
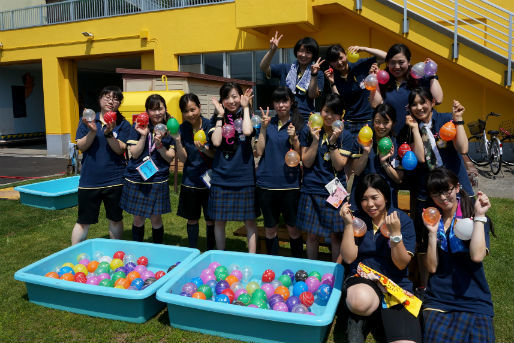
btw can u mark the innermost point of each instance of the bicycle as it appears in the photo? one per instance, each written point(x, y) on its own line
point(507, 141)
point(482, 151)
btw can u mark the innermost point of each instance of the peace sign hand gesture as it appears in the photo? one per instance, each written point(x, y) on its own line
point(315, 67)
point(273, 42)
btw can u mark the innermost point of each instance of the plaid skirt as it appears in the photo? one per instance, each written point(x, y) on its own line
point(457, 327)
point(232, 203)
point(145, 199)
point(317, 216)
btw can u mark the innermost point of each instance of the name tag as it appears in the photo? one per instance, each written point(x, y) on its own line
point(147, 169)
point(337, 192)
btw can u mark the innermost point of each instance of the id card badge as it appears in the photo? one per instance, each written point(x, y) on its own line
point(206, 178)
point(337, 193)
point(147, 169)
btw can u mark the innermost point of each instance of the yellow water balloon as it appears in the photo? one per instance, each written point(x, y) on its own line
point(200, 137)
point(315, 121)
point(365, 134)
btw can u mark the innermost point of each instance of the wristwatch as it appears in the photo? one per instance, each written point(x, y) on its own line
point(480, 219)
point(396, 239)
point(458, 122)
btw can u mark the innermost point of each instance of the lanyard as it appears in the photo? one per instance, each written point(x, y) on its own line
point(151, 147)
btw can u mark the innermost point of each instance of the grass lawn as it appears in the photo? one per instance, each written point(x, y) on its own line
point(28, 234)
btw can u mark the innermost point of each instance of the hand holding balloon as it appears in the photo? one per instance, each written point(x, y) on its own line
point(431, 217)
point(393, 224)
point(482, 204)
point(329, 75)
point(346, 214)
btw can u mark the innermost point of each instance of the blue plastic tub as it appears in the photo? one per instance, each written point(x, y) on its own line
point(244, 323)
point(51, 195)
point(112, 303)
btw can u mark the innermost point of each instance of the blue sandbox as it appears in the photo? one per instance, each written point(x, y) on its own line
point(52, 195)
point(244, 323)
point(112, 303)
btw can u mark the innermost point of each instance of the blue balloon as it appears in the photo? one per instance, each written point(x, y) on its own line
point(409, 161)
point(197, 281)
point(65, 270)
point(299, 287)
point(138, 283)
point(222, 298)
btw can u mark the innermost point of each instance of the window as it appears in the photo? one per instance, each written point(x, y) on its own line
point(191, 63)
point(213, 64)
point(241, 65)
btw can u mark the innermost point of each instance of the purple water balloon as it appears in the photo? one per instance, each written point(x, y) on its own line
point(280, 306)
point(221, 286)
point(95, 280)
point(214, 265)
point(130, 267)
point(292, 301)
point(140, 269)
point(147, 274)
point(268, 289)
point(275, 298)
point(84, 262)
point(189, 288)
point(185, 294)
point(312, 284)
point(430, 68)
point(253, 305)
point(300, 308)
point(207, 275)
point(328, 279)
point(238, 125)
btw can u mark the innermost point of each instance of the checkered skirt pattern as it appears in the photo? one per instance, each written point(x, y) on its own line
point(458, 327)
point(317, 216)
point(145, 199)
point(232, 203)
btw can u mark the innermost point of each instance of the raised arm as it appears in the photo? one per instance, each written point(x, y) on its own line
point(266, 60)
point(461, 139)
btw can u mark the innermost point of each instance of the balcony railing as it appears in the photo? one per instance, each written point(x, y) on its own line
point(77, 10)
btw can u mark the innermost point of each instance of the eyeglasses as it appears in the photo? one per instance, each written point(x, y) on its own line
point(108, 98)
point(445, 193)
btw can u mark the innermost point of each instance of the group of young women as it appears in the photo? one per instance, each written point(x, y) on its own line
point(221, 178)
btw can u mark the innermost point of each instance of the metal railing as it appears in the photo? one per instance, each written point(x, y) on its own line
point(76, 10)
point(478, 23)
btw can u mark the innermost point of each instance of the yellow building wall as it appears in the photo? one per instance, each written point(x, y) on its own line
point(160, 37)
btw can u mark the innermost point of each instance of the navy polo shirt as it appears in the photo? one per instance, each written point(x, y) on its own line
point(162, 165)
point(233, 164)
point(398, 97)
point(354, 94)
point(321, 172)
point(304, 103)
point(374, 166)
point(374, 250)
point(197, 162)
point(272, 172)
point(452, 160)
point(459, 284)
point(101, 166)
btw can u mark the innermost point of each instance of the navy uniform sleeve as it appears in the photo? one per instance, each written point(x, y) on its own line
point(133, 136)
point(343, 146)
point(123, 131)
point(362, 66)
point(305, 137)
point(408, 232)
point(279, 69)
point(168, 141)
point(82, 130)
point(440, 119)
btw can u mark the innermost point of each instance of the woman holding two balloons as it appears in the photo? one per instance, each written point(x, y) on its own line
point(278, 183)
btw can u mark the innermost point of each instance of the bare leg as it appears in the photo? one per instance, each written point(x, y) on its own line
point(219, 233)
point(312, 246)
point(251, 235)
point(115, 229)
point(335, 244)
point(79, 233)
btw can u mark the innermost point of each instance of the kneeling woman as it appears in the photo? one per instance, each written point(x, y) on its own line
point(148, 195)
point(457, 303)
point(389, 256)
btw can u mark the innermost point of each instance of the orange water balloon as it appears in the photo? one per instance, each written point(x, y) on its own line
point(431, 216)
point(384, 230)
point(292, 158)
point(199, 295)
point(448, 131)
point(359, 227)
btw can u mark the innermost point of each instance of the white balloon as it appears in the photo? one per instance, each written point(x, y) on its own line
point(464, 229)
